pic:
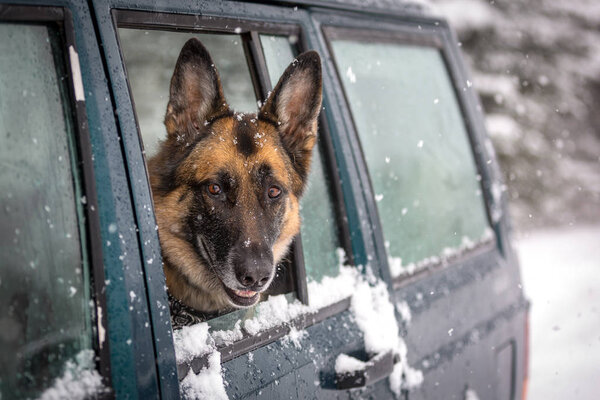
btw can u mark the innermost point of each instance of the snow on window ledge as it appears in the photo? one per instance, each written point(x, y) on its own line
point(448, 254)
point(346, 364)
point(79, 380)
point(369, 302)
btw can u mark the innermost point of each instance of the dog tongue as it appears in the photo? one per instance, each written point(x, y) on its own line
point(245, 293)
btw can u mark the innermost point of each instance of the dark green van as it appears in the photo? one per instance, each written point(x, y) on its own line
point(402, 283)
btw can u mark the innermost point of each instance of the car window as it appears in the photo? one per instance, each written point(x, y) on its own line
point(149, 77)
point(45, 321)
point(416, 147)
point(320, 237)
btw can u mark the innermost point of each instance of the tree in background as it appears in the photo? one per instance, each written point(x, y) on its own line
point(536, 65)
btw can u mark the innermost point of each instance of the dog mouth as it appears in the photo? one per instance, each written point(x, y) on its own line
point(239, 298)
point(242, 298)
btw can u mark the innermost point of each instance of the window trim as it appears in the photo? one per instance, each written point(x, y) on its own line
point(63, 19)
point(250, 34)
point(433, 37)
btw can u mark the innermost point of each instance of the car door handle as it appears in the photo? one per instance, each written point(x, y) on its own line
point(378, 367)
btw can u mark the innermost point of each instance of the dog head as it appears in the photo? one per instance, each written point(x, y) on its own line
point(226, 186)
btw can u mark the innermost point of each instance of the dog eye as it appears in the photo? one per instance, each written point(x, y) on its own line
point(274, 192)
point(214, 189)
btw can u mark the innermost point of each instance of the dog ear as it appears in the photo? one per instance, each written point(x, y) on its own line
point(294, 105)
point(196, 94)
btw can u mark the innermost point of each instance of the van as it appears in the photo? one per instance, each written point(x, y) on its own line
point(402, 283)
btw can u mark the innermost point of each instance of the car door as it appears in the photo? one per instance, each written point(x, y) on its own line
point(434, 199)
point(77, 307)
point(286, 347)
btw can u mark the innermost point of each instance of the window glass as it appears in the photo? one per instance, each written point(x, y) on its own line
point(150, 57)
point(319, 227)
point(417, 150)
point(45, 323)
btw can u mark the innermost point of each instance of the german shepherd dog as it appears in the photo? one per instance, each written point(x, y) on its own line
point(226, 186)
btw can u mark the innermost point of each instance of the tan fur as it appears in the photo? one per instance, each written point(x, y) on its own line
point(181, 176)
point(218, 150)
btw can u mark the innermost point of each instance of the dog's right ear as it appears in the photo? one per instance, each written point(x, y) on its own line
point(196, 95)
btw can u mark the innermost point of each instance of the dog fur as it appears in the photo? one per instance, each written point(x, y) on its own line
point(226, 186)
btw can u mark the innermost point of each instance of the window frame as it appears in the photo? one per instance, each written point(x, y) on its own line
point(62, 19)
point(250, 36)
point(430, 33)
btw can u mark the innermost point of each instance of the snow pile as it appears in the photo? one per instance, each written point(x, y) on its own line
point(79, 380)
point(370, 304)
point(274, 312)
point(224, 338)
point(331, 290)
point(345, 364)
point(277, 310)
point(447, 253)
point(208, 384)
point(195, 341)
point(192, 341)
point(375, 317)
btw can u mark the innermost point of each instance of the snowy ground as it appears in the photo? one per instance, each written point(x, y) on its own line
point(561, 274)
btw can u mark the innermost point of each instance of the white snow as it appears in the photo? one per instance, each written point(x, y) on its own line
point(397, 268)
point(471, 394)
point(208, 384)
point(224, 338)
point(351, 75)
point(561, 277)
point(192, 341)
point(295, 337)
point(345, 363)
point(404, 311)
point(375, 317)
point(370, 304)
point(101, 330)
point(195, 341)
point(79, 380)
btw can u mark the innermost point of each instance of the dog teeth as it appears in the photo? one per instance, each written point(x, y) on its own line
point(245, 293)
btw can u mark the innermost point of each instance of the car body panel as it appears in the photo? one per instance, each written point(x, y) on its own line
point(468, 316)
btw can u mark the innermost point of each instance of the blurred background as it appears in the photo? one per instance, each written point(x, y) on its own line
point(536, 65)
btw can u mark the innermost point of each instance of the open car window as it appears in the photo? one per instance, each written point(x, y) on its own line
point(318, 257)
point(416, 146)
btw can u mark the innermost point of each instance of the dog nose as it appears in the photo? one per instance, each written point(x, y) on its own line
point(253, 278)
point(254, 267)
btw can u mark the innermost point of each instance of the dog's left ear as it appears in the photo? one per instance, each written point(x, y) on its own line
point(294, 105)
